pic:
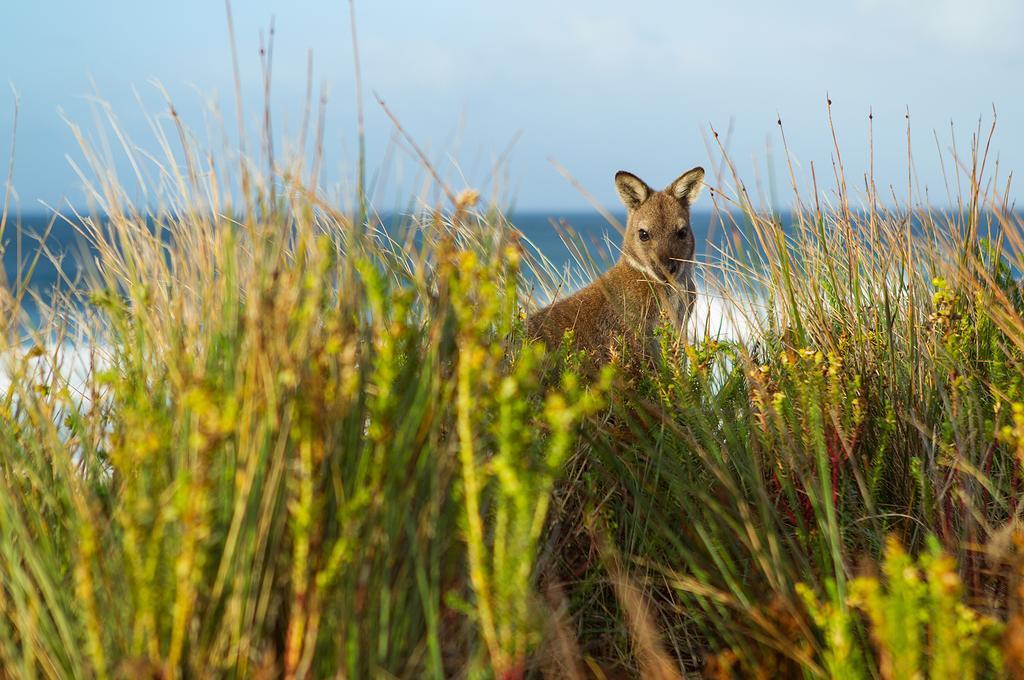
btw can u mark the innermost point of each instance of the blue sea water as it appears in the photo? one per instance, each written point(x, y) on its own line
point(30, 246)
point(31, 242)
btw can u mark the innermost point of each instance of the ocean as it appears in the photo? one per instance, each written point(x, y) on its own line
point(31, 242)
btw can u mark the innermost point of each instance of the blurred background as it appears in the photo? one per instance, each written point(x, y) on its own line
point(598, 86)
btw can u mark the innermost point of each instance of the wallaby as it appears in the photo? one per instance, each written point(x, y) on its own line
point(653, 276)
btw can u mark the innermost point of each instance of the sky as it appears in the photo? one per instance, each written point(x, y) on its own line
point(594, 86)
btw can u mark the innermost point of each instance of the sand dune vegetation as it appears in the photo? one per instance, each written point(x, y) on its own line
point(268, 437)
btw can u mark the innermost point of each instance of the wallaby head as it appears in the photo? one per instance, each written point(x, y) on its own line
point(658, 239)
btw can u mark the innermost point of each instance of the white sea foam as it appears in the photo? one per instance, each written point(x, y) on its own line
point(718, 317)
point(67, 364)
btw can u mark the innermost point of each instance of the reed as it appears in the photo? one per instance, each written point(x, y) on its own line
point(298, 442)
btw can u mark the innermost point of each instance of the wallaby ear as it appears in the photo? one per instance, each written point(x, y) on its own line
point(687, 188)
point(632, 190)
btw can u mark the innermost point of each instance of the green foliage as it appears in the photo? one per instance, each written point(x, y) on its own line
point(875, 397)
point(299, 456)
point(918, 622)
point(303, 445)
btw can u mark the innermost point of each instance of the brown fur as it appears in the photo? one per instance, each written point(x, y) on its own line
point(653, 277)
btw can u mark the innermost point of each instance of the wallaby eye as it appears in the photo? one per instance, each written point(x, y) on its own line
point(644, 236)
point(683, 233)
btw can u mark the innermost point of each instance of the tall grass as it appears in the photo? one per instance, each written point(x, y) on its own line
point(303, 444)
point(878, 401)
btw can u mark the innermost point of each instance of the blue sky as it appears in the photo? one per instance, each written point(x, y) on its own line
point(597, 85)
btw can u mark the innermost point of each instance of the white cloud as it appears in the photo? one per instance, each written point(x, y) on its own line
point(419, 65)
point(979, 26)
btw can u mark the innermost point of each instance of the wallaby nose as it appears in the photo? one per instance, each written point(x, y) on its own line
point(672, 266)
